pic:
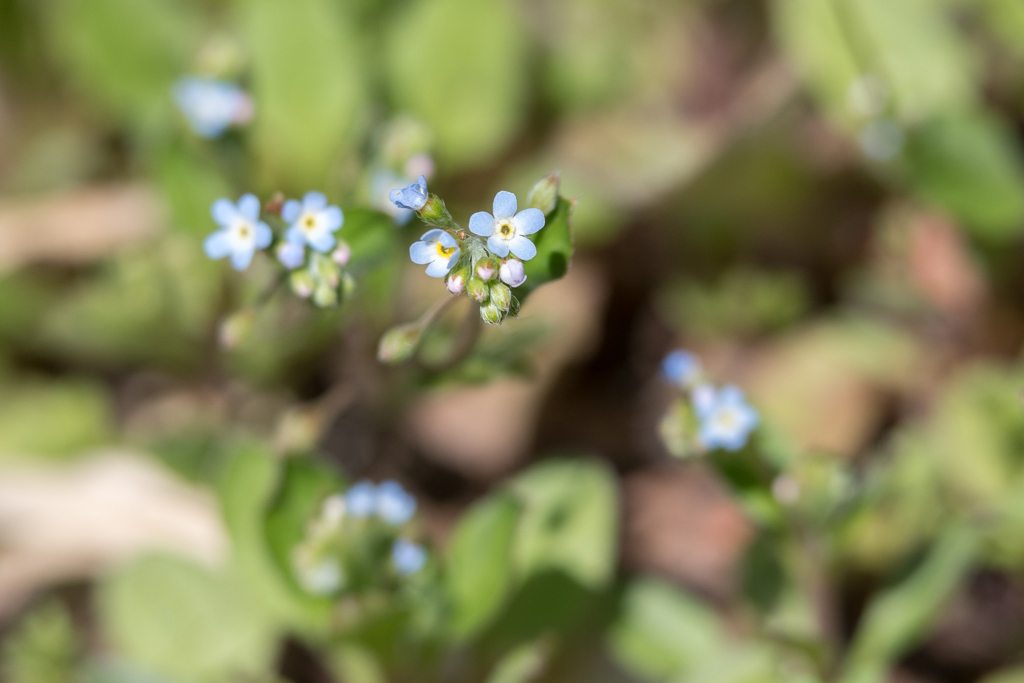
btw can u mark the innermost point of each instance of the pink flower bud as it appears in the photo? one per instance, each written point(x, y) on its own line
point(342, 254)
point(485, 270)
point(512, 273)
point(455, 283)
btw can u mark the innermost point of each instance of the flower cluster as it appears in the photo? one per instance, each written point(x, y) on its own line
point(212, 106)
point(707, 417)
point(305, 243)
point(487, 262)
point(359, 539)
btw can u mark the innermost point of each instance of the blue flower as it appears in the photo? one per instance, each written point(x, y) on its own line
point(312, 221)
point(437, 248)
point(726, 419)
point(242, 232)
point(506, 230)
point(394, 504)
point(361, 500)
point(211, 106)
point(412, 197)
point(680, 367)
point(408, 557)
point(380, 191)
point(291, 255)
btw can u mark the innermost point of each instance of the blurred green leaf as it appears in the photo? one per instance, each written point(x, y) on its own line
point(663, 632)
point(125, 53)
point(1005, 19)
point(554, 250)
point(183, 621)
point(1013, 674)
point(460, 66)
point(42, 647)
point(569, 520)
point(899, 617)
point(308, 87)
point(190, 185)
point(972, 167)
point(355, 664)
point(54, 418)
point(479, 563)
point(522, 665)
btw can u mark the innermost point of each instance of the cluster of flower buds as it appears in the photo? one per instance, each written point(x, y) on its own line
point(359, 540)
point(706, 417)
point(317, 272)
point(487, 262)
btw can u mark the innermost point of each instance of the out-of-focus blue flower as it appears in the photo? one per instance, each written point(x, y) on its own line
point(680, 368)
point(241, 233)
point(312, 221)
point(412, 197)
point(438, 249)
point(506, 230)
point(408, 557)
point(394, 504)
point(361, 500)
point(291, 255)
point(726, 419)
point(211, 106)
point(382, 183)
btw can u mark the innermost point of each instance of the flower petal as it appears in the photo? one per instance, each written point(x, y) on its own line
point(454, 258)
point(334, 218)
point(249, 206)
point(263, 235)
point(217, 245)
point(241, 259)
point(528, 221)
point(223, 212)
point(438, 268)
point(314, 201)
point(481, 223)
point(522, 247)
point(295, 235)
point(505, 205)
point(447, 240)
point(497, 246)
point(422, 182)
point(432, 235)
point(291, 210)
point(422, 252)
point(322, 241)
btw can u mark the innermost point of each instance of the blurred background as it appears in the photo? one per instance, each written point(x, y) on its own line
point(824, 199)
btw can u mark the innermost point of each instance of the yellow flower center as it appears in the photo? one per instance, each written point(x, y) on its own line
point(243, 231)
point(506, 230)
point(309, 223)
point(444, 251)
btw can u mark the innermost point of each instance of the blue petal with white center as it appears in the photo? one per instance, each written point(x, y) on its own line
point(211, 106)
point(408, 557)
point(242, 233)
point(506, 230)
point(312, 221)
point(361, 500)
point(412, 197)
point(437, 250)
point(726, 419)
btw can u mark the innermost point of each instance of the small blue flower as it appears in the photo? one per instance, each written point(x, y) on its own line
point(412, 197)
point(394, 504)
point(381, 183)
point(242, 232)
point(438, 249)
point(291, 255)
point(211, 106)
point(408, 557)
point(312, 221)
point(361, 500)
point(506, 230)
point(726, 419)
point(680, 368)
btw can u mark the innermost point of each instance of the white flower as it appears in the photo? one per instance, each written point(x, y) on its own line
point(438, 249)
point(506, 230)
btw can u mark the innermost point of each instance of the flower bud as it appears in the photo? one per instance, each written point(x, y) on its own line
point(544, 194)
point(501, 296)
point(435, 213)
point(325, 270)
point(399, 343)
point(348, 285)
point(235, 328)
point(342, 254)
point(302, 283)
point(486, 268)
point(477, 289)
point(491, 314)
point(456, 282)
point(325, 296)
point(511, 272)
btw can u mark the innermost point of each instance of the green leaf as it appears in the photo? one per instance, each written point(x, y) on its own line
point(569, 521)
point(554, 250)
point(479, 563)
point(180, 620)
point(663, 632)
point(125, 53)
point(898, 618)
point(1009, 675)
point(190, 185)
point(460, 66)
point(972, 167)
point(307, 84)
point(523, 664)
point(54, 418)
point(42, 647)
